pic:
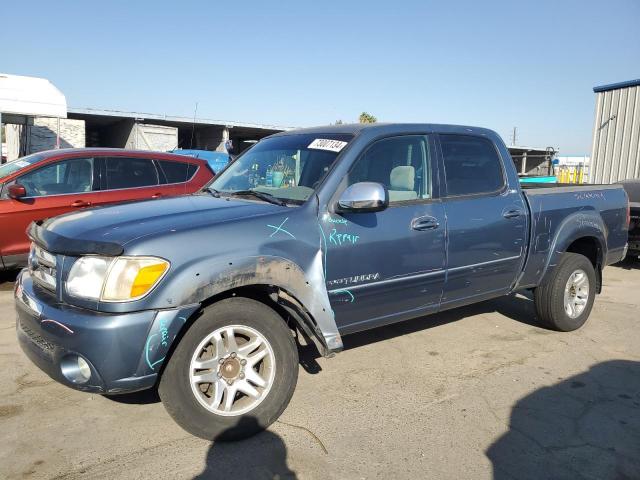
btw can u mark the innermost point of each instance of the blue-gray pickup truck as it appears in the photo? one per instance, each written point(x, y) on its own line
point(308, 236)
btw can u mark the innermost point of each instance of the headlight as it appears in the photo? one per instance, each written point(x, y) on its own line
point(115, 279)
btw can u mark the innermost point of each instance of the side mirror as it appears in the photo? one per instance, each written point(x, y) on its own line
point(17, 191)
point(364, 197)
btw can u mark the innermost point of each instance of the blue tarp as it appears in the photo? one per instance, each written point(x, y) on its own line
point(216, 160)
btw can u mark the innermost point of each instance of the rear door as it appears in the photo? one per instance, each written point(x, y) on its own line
point(53, 189)
point(486, 220)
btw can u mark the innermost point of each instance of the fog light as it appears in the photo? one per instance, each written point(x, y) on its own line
point(75, 369)
point(84, 368)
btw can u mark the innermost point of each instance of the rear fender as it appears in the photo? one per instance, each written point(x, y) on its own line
point(575, 226)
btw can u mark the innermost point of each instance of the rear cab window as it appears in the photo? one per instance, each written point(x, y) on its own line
point(472, 165)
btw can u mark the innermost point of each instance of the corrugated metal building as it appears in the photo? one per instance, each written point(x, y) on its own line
point(615, 153)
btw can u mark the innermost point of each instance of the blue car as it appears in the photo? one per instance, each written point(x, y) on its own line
point(216, 160)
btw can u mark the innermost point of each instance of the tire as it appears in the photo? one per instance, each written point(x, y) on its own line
point(186, 400)
point(549, 297)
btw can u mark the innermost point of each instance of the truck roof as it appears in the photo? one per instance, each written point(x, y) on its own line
point(382, 128)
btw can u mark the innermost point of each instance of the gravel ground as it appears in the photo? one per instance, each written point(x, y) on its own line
point(479, 392)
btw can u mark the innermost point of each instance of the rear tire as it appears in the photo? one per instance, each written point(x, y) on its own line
point(258, 393)
point(564, 300)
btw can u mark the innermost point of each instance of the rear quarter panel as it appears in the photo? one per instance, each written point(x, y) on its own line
point(559, 216)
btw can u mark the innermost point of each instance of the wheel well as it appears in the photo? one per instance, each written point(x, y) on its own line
point(286, 305)
point(590, 248)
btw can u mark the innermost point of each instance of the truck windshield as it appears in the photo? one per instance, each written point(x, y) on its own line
point(286, 167)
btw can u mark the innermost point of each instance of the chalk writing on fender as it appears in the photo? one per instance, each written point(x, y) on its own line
point(342, 238)
point(164, 333)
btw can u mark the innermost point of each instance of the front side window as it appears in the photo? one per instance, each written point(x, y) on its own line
point(287, 167)
point(402, 164)
point(471, 165)
point(67, 176)
point(126, 172)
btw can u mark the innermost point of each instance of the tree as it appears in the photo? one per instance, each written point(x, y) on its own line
point(338, 122)
point(367, 118)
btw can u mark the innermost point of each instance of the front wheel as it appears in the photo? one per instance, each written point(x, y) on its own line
point(564, 301)
point(233, 373)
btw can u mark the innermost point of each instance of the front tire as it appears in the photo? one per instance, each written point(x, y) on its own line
point(233, 373)
point(564, 300)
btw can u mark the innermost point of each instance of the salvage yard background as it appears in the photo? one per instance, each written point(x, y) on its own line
point(479, 392)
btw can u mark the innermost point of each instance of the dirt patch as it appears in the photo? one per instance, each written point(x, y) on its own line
point(8, 411)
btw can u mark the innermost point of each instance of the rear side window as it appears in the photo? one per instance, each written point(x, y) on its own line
point(177, 172)
point(471, 165)
point(125, 172)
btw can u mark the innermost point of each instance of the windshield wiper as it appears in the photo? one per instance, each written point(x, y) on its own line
point(215, 193)
point(267, 197)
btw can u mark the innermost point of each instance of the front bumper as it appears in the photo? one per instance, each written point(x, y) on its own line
point(124, 351)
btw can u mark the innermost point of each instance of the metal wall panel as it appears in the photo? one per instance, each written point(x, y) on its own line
point(615, 152)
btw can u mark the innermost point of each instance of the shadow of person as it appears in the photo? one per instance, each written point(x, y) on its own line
point(263, 456)
point(587, 426)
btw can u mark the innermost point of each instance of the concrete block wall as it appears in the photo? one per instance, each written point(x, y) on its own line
point(152, 137)
point(42, 133)
point(211, 138)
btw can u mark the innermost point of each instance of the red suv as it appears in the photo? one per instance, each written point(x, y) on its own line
point(50, 183)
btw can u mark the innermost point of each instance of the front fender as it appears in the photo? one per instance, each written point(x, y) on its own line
point(199, 281)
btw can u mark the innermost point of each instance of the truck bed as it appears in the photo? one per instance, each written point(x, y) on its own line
point(586, 210)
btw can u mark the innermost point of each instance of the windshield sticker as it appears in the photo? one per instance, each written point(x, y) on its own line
point(21, 163)
point(327, 144)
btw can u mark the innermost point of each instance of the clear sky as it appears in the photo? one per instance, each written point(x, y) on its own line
point(497, 64)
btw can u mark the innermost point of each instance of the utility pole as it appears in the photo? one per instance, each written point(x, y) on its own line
point(514, 137)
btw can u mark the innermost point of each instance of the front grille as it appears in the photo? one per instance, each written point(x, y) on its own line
point(42, 266)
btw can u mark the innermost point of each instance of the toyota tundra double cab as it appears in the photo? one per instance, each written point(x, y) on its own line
point(315, 234)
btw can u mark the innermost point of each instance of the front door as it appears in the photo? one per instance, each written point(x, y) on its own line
point(53, 189)
point(386, 266)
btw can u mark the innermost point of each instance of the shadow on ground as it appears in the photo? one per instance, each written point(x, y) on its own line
point(629, 263)
point(587, 426)
point(259, 457)
point(7, 279)
point(516, 307)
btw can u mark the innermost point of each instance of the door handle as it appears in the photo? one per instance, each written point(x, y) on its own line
point(80, 203)
point(156, 195)
point(424, 223)
point(512, 213)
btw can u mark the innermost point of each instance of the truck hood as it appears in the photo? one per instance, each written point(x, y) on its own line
point(106, 230)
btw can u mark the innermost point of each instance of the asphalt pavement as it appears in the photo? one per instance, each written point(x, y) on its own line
point(476, 393)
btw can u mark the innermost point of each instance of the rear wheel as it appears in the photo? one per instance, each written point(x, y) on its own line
point(233, 373)
point(564, 301)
